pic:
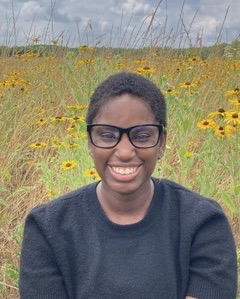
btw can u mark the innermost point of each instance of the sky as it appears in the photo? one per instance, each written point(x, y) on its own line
point(119, 23)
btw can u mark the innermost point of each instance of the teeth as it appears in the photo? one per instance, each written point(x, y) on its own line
point(125, 170)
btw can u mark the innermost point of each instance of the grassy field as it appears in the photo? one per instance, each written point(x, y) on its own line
point(43, 100)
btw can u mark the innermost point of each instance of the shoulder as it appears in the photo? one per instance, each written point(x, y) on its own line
point(63, 208)
point(186, 202)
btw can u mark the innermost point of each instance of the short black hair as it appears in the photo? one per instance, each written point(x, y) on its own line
point(128, 83)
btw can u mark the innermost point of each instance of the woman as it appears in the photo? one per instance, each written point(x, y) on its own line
point(129, 235)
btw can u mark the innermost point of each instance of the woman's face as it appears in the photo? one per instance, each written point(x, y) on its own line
point(125, 169)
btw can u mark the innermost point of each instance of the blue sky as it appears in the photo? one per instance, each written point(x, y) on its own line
point(125, 23)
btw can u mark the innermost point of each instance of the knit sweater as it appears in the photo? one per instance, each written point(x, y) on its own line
point(183, 246)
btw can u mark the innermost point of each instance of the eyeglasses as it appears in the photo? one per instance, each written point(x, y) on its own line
point(143, 136)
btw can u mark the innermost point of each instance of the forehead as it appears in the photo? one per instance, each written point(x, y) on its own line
point(124, 107)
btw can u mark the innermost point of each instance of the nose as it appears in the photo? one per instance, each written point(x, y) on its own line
point(124, 149)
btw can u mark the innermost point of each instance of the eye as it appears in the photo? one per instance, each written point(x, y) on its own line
point(145, 134)
point(108, 135)
point(142, 136)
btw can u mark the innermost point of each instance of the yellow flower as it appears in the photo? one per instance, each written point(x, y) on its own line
point(194, 59)
point(220, 113)
point(86, 61)
point(232, 117)
point(54, 139)
point(71, 127)
point(231, 128)
point(58, 118)
point(85, 48)
point(92, 173)
point(187, 85)
point(120, 65)
point(41, 121)
point(235, 101)
point(189, 154)
point(77, 107)
point(140, 61)
point(82, 135)
point(52, 192)
point(68, 165)
point(206, 124)
point(40, 110)
point(171, 90)
point(77, 118)
point(76, 135)
point(72, 144)
point(235, 91)
point(146, 70)
point(222, 132)
point(58, 144)
point(38, 145)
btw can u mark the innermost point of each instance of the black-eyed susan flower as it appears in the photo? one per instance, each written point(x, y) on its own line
point(231, 128)
point(120, 66)
point(77, 107)
point(206, 124)
point(82, 135)
point(77, 118)
point(140, 61)
point(235, 101)
point(68, 165)
point(85, 48)
point(188, 85)
point(41, 121)
point(58, 144)
point(71, 127)
point(222, 132)
point(72, 145)
point(76, 135)
point(171, 91)
point(52, 192)
point(232, 117)
point(194, 59)
point(220, 113)
point(235, 91)
point(92, 173)
point(40, 110)
point(38, 145)
point(58, 118)
point(146, 70)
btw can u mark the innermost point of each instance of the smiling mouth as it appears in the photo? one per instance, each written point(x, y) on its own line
point(124, 170)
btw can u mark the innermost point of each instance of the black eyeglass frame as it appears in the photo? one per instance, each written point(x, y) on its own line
point(160, 127)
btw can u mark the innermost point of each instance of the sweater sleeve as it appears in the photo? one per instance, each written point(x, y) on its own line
point(40, 276)
point(213, 262)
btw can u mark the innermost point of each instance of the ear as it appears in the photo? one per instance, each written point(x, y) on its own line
point(162, 145)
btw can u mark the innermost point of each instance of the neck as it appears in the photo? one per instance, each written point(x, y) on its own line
point(125, 208)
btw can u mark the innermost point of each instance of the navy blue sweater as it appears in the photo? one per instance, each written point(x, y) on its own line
point(183, 246)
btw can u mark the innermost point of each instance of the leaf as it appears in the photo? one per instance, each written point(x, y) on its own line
point(230, 203)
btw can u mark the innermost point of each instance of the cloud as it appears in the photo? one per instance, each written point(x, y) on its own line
point(101, 21)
